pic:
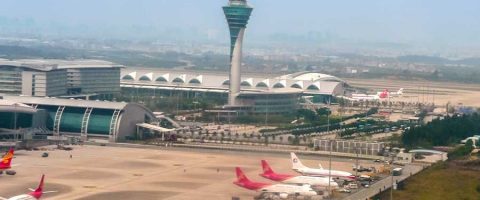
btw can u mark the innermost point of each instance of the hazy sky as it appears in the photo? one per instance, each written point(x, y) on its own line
point(450, 22)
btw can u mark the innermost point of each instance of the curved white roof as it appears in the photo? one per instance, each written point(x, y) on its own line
point(308, 82)
point(311, 76)
point(164, 77)
point(147, 77)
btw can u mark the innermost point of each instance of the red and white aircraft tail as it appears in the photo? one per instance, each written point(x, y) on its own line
point(244, 182)
point(6, 162)
point(392, 94)
point(266, 168)
point(270, 174)
point(384, 94)
point(37, 193)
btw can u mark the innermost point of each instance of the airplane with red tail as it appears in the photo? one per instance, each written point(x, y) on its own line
point(366, 97)
point(34, 195)
point(283, 190)
point(294, 179)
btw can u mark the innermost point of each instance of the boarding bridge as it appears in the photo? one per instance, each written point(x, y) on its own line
point(141, 127)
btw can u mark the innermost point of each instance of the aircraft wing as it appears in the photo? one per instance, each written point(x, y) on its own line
point(46, 192)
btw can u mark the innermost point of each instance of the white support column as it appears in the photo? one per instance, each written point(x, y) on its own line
point(58, 120)
point(235, 65)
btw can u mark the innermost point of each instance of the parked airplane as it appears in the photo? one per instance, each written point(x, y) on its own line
point(393, 94)
point(293, 179)
point(6, 162)
point(300, 168)
point(34, 195)
point(365, 97)
point(283, 190)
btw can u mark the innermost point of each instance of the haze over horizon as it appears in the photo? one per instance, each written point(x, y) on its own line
point(420, 23)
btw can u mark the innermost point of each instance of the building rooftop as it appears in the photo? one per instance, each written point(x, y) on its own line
point(66, 102)
point(12, 106)
point(51, 64)
point(309, 82)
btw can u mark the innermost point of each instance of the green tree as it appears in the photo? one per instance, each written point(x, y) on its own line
point(324, 111)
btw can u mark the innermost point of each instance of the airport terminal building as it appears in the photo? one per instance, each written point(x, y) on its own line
point(56, 78)
point(113, 121)
point(258, 93)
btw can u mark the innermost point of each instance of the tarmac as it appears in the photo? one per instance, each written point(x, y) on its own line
point(105, 172)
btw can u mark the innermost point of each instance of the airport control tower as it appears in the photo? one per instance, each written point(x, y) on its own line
point(237, 13)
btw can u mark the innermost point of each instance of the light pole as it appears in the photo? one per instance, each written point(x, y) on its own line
point(330, 170)
point(15, 122)
point(391, 174)
point(356, 163)
point(266, 110)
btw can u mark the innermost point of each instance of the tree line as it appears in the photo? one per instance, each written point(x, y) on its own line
point(442, 132)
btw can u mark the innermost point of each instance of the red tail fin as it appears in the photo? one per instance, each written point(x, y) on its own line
point(241, 178)
point(270, 174)
point(39, 191)
point(244, 182)
point(40, 185)
point(7, 159)
point(266, 168)
point(384, 94)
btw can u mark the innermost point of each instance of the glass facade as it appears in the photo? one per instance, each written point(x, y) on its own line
point(56, 83)
point(271, 103)
point(7, 120)
point(10, 80)
point(71, 121)
point(99, 122)
point(94, 80)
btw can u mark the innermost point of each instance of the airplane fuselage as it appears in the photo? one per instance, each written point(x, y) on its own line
point(311, 180)
point(289, 189)
point(325, 173)
point(23, 197)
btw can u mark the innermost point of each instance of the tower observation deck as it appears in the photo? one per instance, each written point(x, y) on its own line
point(237, 13)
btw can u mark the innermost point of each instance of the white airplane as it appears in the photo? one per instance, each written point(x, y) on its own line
point(34, 195)
point(393, 94)
point(302, 169)
point(366, 97)
point(283, 190)
point(293, 179)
